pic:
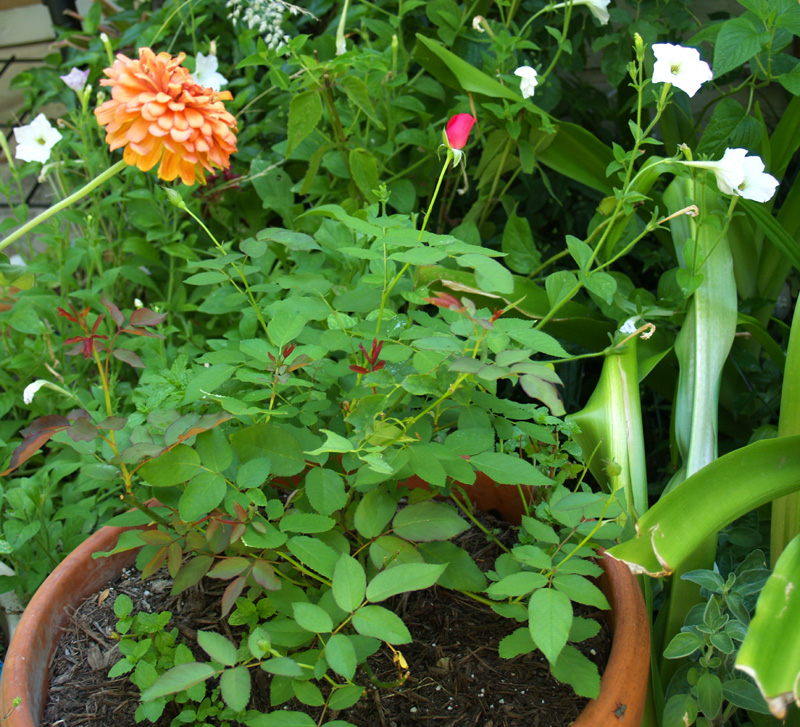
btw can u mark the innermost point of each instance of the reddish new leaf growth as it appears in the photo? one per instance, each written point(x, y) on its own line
point(39, 432)
point(372, 358)
point(146, 317)
point(445, 300)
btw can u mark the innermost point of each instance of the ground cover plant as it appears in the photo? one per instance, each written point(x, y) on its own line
point(433, 245)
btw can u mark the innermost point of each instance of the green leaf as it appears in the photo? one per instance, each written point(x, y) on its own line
point(356, 91)
point(490, 275)
point(709, 694)
point(380, 623)
point(349, 583)
point(679, 711)
point(313, 553)
point(334, 443)
point(426, 521)
point(462, 573)
point(580, 590)
point(745, 695)
point(549, 621)
point(516, 584)
point(522, 256)
point(683, 644)
point(341, 656)
point(575, 669)
point(283, 329)
point(343, 697)
point(269, 440)
point(374, 512)
point(312, 618)
point(364, 171)
point(203, 493)
point(516, 643)
point(175, 466)
point(325, 490)
point(305, 112)
point(217, 647)
point(737, 42)
point(235, 687)
point(509, 470)
point(601, 284)
point(178, 679)
point(305, 522)
point(281, 718)
point(282, 666)
point(560, 287)
point(402, 578)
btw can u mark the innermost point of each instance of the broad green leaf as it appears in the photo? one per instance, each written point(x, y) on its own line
point(679, 711)
point(325, 490)
point(374, 512)
point(305, 522)
point(341, 656)
point(709, 694)
point(744, 694)
point(357, 92)
point(349, 583)
point(203, 493)
point(580, 590)
point(315, 554)
point(305, 112)
point(308, 693)
point(575, 669)
point(737, 42)
point(343, 697)
point(683, 644)
point(381, 623)
point(507, 469)
point(235, 687)
point(549, 621)
point(176, 465)
point(516, 584)
point(490, 275)
point(426, 521)
point(312, 618)
point(178, 679)
point(364, 171)
point(283, 666)
point(402, 578)
point(388, 551)
point(281, 718)
point(462, 573)
point(516, 643)
point(217, 647)
point(269, 440)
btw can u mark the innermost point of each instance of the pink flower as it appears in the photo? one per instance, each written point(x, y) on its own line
point(76, 79)
point(458, 129)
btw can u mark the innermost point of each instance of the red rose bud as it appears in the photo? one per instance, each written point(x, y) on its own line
point(458, 128)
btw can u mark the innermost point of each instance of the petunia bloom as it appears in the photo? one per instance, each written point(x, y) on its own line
point(76, 79)
point(205, 72)
point(36, 140)
point(681, 67)
point(160, 115)
point(529, 82)
point(740, 175)
point(598, 8)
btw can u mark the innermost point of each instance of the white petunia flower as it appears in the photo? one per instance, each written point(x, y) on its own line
point(31, 389)
point(477, 24)
point(205, 72)
point(528, 76)
point(35, 140)
point(740, 175)
point(598, 8)
point(757, 184)
point(681, 67)
point(76, 79)
point(629, 326)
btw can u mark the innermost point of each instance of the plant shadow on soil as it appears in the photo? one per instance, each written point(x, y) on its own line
point(456, 677)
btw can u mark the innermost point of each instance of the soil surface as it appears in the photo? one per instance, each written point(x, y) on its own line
point(456, 678)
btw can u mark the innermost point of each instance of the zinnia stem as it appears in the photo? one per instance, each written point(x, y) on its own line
point(64, 203)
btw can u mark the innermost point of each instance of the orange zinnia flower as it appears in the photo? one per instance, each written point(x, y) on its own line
point(159, 114)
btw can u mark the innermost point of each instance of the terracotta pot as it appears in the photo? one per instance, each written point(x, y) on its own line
point(27, 664)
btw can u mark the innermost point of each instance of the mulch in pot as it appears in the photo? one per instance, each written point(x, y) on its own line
point(456, 678)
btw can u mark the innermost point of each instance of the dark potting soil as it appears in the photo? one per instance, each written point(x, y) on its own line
point(456, 679)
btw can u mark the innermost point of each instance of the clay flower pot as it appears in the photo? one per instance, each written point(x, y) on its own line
point(27, 664)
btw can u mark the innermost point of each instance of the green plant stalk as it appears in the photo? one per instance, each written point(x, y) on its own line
point(64, 203)
point(387, 291)
point(785, 523)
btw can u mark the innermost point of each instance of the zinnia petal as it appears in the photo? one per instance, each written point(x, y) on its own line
point(162, 116)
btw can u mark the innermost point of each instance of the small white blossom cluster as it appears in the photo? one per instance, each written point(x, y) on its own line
point(264, 16)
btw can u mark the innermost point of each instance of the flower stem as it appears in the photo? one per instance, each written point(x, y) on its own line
point(64, 203)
